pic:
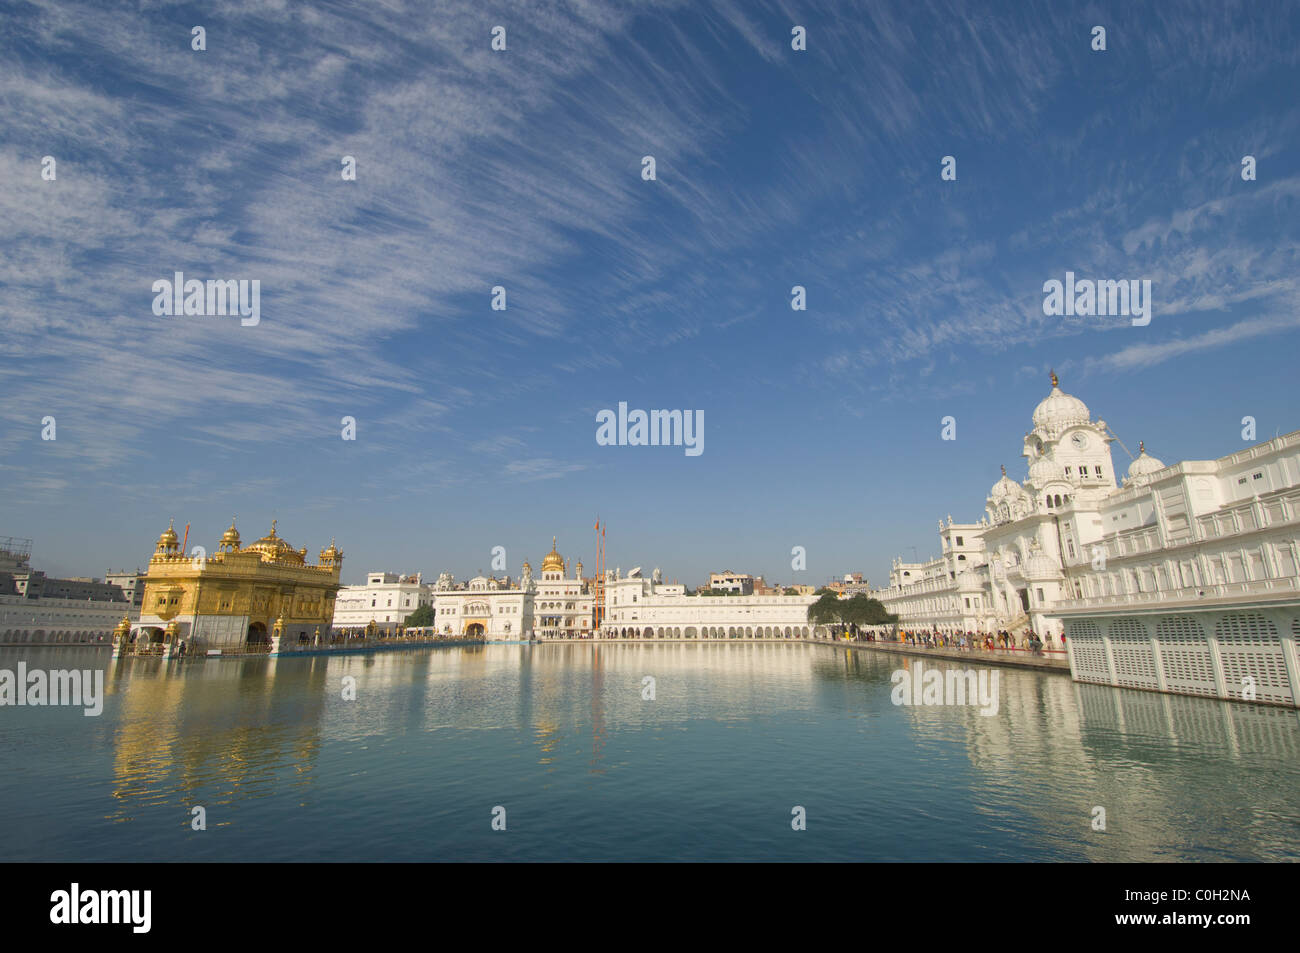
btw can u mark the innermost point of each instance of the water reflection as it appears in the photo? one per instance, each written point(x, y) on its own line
point(281, 755)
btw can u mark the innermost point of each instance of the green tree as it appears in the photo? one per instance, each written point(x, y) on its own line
point(826, 610)
point(422, 616)
point(860, 610)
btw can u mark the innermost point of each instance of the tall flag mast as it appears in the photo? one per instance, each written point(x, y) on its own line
point(600, 575)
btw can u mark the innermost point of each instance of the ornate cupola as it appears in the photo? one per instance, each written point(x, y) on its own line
point(1007, 500)
point(553, 561)
point(168, 544)
point(229, 539)
point(331, 556)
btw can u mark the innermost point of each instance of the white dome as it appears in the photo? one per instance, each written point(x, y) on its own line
point(1044, 470)
point(1059, 411)
point(1006, 489)
point(1144, 465)
point(1039, 565)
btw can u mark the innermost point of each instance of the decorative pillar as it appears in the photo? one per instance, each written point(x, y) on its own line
point(122, 638)
point(171, 638)
point(277, 635)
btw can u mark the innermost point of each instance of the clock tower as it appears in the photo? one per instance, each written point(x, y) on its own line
point(1068, 452)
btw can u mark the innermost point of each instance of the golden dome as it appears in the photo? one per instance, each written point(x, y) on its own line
point(332, 553)
point(275, 549)
point(168, 538)
point(553, 561)
point(230, 538)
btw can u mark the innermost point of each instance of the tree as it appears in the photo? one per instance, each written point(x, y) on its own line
point(860, 610)
point(863, 610)
point(421, 617)
point(826, 610)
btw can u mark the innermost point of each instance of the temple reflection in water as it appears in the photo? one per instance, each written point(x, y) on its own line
point(254, 738)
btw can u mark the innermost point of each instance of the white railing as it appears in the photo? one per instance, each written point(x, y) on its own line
point(1284, 585)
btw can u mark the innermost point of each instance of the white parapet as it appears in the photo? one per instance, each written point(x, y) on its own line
point(1242, 652)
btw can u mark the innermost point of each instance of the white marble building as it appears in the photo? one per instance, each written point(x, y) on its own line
point(61, 621)
point(484, 608)
point(558, 605)
point(386, 598)
point(642, 608)
point(1202, 554)
point(563, 608)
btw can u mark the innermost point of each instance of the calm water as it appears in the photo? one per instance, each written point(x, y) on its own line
point(560, 736)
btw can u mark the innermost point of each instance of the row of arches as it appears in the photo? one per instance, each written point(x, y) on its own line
point(38, 636)
point(718, 632)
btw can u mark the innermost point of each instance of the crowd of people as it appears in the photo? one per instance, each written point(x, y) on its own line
point(1002, 640)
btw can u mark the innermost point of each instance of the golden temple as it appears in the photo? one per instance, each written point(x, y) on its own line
point(240, 598)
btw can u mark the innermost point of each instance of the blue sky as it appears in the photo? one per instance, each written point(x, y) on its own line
point(476, 428)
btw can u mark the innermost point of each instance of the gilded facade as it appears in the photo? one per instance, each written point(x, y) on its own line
point(239, 598)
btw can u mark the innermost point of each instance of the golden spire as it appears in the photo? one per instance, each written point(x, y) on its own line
point(1055, 381)
point(1142, 447)
point(1004, 469)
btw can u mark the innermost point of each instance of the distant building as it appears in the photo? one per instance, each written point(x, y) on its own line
point(740, 583)
point(559, 605)
point(131, 584)
point(386, 599)
point(642, 608)
point(852, 584)
point(39, 610)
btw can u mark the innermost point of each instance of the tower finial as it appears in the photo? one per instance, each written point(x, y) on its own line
point(1142, 447)
point(272, 527)
point(1004, 469)
point(1055, 380)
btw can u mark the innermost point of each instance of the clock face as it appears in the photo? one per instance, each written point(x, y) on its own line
point(1080, 441)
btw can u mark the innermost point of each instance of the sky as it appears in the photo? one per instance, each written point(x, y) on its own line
point(476, 168)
